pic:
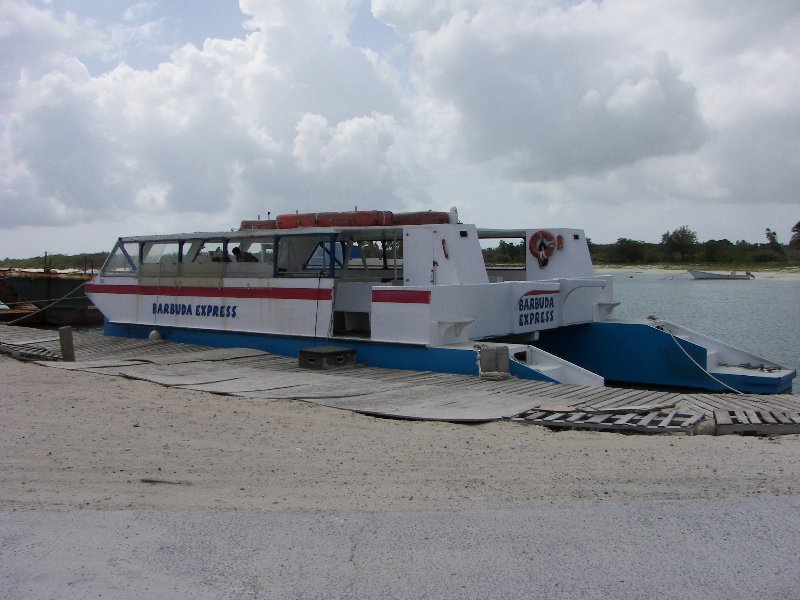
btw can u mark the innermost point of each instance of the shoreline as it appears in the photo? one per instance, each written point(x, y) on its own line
point(785, 273)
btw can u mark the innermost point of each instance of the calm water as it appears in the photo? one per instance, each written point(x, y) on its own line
point(761, 315)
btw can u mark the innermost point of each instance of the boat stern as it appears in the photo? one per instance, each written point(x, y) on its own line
point(663, 354)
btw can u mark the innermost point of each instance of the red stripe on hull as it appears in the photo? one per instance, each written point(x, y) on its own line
point(540, 292)
point(402, 296)
point(205, 292)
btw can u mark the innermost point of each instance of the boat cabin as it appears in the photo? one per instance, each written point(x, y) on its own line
point(411, 282)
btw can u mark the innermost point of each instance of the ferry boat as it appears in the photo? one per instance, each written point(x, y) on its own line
point(408, 291)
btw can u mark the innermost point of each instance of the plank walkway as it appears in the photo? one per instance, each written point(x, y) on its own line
point(408, 394)
point(640, 420)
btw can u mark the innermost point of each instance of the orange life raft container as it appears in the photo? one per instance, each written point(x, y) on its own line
point(422, 218)
point(355, 218)
point(360, 218)
point(258, 224)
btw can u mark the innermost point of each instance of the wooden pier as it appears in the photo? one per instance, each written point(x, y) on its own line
point(410, 394)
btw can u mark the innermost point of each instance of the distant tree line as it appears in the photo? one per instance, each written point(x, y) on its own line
point(505, 253)
point(83, 262)
point(680, 246)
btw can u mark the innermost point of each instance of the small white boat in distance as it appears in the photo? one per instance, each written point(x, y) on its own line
point(712, 275)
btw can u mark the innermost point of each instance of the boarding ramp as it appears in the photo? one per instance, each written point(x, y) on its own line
point(560, 370)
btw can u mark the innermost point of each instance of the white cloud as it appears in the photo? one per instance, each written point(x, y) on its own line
point(619, 111)
point(359, 144)
point(33, 42)
point(138, 10)
point(553, 98)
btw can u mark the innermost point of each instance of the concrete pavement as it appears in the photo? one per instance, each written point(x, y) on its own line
point(730, 548)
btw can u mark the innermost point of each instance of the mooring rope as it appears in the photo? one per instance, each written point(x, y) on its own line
point(64, 297)
point(44, 300)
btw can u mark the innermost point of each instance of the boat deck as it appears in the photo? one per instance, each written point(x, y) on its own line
point(408, 394)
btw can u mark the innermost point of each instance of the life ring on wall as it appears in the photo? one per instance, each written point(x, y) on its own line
point(541, 246)
point(444, 249)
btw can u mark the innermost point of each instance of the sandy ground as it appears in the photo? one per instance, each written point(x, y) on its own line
point(76, 440)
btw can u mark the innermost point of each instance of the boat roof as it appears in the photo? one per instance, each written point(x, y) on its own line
point(501, 233)
point(376, 233)
point(364, 233)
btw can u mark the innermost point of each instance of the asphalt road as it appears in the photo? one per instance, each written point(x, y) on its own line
point(734, 548)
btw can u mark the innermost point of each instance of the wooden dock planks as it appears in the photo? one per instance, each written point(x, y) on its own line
point(734, 412)
point(766, 422)
point(654, 422)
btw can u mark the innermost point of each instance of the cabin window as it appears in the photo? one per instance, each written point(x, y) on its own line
point(372, 259)
point(122, 260)
point(504, 259)
point(323, 255)
point(262, 251)
point(208, 251)
point(320, 259)
point(163, 253)
point(250, 258)
point(306, 256)
point(243, 253)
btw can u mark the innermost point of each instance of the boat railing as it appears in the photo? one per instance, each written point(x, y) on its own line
point(205, 267)
point(248, 269)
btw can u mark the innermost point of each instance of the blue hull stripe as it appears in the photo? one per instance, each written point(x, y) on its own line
point(371, 354)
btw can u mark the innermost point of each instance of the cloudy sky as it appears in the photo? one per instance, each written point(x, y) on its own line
point(625, 118)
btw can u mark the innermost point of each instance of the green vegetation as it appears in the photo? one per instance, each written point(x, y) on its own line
point(795, 241)
point(681, 247)
point(678, 244)
point(83, 262)
point(678, 247)
point(505, 253)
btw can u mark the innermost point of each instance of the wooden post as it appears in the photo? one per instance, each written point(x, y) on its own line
point(67, 347)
